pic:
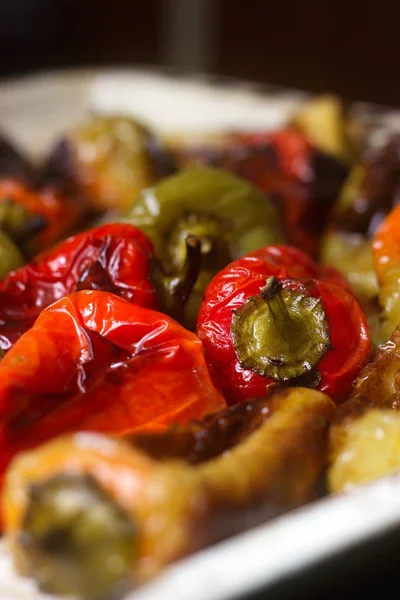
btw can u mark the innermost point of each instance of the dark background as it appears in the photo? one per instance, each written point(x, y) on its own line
point(350, 47)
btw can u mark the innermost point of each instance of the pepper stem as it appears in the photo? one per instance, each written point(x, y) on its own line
point(281, 334)
point(173, 289)
point(70, 531)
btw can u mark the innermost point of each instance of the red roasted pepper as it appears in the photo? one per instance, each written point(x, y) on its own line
point(285, 164)
point(94, 361)
point(264, 322)
point(111, 257)
point(46, 215)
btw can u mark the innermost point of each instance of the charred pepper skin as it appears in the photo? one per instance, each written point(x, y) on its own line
point(228, 215)
point(237, 325)
point(123, 368)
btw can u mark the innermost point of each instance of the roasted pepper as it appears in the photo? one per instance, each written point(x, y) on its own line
point(260, 327)
point(35, 220)
point(108, 160)
point(386, 254)
point(94, 361)
point(331, 127)
point(283, 164)
point(369, 193)
point(228, 215)
point(145, 513)
point(116, 257)
point(365, 436)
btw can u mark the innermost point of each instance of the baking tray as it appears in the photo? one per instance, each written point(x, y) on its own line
point(34, 111)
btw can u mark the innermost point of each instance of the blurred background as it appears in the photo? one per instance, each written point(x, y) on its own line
point(347, 47)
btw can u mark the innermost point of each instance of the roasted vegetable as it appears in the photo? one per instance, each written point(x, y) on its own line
point(285, 165)
point(386, 254)
point(325, 120)
point(35, 220)
point(94, 361)
point(74, 503)
point(260, 327)
point(368, 195)
point(113, 257)
point(108, 160)
point(227, 214)
point(365, 437)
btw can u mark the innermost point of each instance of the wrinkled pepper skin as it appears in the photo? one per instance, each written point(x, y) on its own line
point(238, 285)
point(113, 257)
point(94, 361)
point(227, 214)
point(36, 219)
point(286, 165)
point(108, 160)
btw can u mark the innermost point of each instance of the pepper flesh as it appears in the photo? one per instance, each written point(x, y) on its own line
point(113, 257)
point(243, 280)
point(275, 468)
point(122, 368)
point(228, 215)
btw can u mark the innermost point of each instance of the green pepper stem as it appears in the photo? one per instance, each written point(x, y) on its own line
point(173, 290)
point(272, 294)
point(281, 334)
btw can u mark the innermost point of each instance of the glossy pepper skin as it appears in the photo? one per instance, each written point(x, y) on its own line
point(227, 214)
point(36, 219)
point(341, 345)
point(94, 361)
point(113, 257)
point(286, 165)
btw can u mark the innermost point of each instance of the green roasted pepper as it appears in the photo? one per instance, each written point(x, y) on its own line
point(227, 214)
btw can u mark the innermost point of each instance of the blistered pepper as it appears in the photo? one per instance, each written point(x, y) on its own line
point(92, 517)
point(116, 257)
point(108, 160)
point(228, 215)
point(261, 327)
point(94, 361)
point(35, 220)
point(286, 165)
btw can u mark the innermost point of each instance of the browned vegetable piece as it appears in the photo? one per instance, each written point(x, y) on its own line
point(365, 435)
point(61, 501)
point(370, 192)
point(108, 160)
